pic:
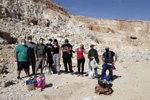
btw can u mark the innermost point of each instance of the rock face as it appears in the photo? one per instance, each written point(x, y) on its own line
point(43, 18)
point(121, 34)
point(140, 27)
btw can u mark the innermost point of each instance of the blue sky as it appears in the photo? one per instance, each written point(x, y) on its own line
point(109, 9)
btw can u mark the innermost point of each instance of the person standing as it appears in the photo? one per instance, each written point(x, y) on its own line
point(80, 59)
point(92, 54)
point(31, 46)
point(108, 63)
point(22, 58)
point(56, 56)
point(67, 55)
point(40, 55)
point(50, 53)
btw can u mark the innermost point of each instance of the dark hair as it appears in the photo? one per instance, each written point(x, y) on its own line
point(41, 39)
point(92, 45)
point(50, 40)
point(82, 47)
point(55, 40)
point(29, 37)
point(66, 40)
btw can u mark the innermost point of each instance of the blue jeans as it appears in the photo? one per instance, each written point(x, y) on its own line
point(110, 76)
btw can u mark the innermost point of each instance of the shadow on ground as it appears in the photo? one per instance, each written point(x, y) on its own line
point(48, 85)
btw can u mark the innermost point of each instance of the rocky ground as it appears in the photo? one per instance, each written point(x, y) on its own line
point(131, 80)
point(43, 18)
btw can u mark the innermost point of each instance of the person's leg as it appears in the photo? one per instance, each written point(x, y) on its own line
point(55, 63)
point(26, 67)
point(42, 64)
point(50, 66)
point(110, 72)
point(38, 64)
point(18, 73)
point(33, 65)
point(58, 63)
point(78, 62)
point(103, 76)
point(70, 65)
point(83, 61)
point(65, 64)
point(96, 73)
point(26, 71)
point(90, 67)
point(19, 69)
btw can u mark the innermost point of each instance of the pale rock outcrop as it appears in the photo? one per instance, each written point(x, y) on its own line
point(43, 18)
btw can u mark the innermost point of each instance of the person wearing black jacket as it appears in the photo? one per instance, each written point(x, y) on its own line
point(50, 53)
point(67, 55)
point(108, 63)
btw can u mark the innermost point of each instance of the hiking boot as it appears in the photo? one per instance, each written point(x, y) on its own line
point(78, 74)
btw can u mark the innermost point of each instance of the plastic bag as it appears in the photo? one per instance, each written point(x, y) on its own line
point(41, 83)
point(50, 70)
point(91, 74)
point(94, 64)
point(47, 72)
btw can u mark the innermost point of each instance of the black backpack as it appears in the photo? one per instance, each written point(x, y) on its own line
point(108, 57)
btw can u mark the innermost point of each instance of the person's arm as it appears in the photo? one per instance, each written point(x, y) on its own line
point(96, 55)
point(85, 52)
point(46, 53)
point(52, 51)
point(103, 59)
point(16, 53)
point(75, 50)
point(59, 52)
point(63, 50)
point(16, 56)
point(35, 53)
point(29, 56)
point(115, 58)
point(46, 56)
point(70, 49)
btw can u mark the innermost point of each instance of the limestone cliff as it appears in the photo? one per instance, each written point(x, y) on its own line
point(43, 18)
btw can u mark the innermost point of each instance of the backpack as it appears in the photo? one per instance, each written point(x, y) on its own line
point(108, 57)
point(41, 83)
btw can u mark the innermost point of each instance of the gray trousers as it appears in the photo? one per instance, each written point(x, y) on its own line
point(56, 62)
point(90, 68)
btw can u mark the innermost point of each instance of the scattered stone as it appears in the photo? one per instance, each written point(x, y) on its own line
point(125, 67)
point(3, 69)
point(6, 84)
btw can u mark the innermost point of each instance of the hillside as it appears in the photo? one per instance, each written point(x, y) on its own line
point(20, 18)
point(129, 39)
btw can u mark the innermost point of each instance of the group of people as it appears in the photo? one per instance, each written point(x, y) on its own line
point(36, 55)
